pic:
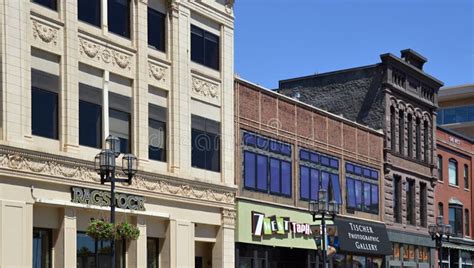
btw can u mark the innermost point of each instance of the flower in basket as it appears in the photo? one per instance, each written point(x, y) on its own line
point(126, 230)
point(101, 230)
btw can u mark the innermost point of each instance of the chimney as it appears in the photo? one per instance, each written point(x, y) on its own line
point(413, 58)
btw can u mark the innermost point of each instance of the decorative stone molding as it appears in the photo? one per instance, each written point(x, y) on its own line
point(31, 163)
point(106, 55)
point(228, 216)
point(44, 32)
point(229, 6)
point(205, 88)
point(156, 72)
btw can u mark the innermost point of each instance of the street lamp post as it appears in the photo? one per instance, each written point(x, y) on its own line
point(105, 166)
point(324, 209)
point(437, 232)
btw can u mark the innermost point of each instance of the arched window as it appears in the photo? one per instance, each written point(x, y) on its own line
point(418, 139)
point(440, 167)
point(426, 143)
point(453, 171)
point(466, 176)
point(440, 209)
point(401, 132)
point(410, 135)
point(392, 128)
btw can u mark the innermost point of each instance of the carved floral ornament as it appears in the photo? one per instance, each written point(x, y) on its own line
point(45, 33)
point(228, 216)
point(204, 88)
point(156, 72)
point(107, 55)
point(72, 171)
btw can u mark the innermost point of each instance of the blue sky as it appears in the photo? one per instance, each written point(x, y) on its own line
point(279, 39)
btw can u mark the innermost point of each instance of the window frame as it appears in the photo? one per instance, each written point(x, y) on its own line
point(456, 222)
point(467, 227)
point(129, 30)
point(411, 202)
point(162, 18)
point(98, 23)
point(205, 35)
point(368, 179)
point(49, 249)
point(156, 241)
point(466, 177)
point(455, 163)
point(54, 6)
point(215, 140)
point(440, 168)
point(55, 116)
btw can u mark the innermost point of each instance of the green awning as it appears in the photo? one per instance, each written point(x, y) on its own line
point(457, 246)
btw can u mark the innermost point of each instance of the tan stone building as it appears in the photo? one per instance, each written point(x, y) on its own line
point(158, 74)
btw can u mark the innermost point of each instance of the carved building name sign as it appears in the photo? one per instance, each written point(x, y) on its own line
point(102, 198)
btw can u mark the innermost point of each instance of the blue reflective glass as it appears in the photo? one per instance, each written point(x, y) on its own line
point(304, 155)
point(119, 17)
point(324, 160)
point(274, 175)
point(262, 143)
point(314, 175)
point(334, 163)
point(366, 195)
point(286, 178)
point(336, 188)
point(366, 173)
point(249, 139)
point(351, 199)
point(374, 174)
point(357, 170)
point(304, 182)
point(375, 198)
point(325, 181)
point(286, 149)
point(249, 169)
point(358, 193)
point(350, 168)
point(262, 172)
point(457, 114)
point(314, 158)
point(275, 146)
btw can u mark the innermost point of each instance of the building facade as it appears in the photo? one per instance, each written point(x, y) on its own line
point(399, 98)
point(157, 74)
point(456, 109)
point(285, 152)
point(453, 195)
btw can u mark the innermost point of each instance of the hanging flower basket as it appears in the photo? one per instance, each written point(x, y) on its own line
point(101, 230)
point(127, 231)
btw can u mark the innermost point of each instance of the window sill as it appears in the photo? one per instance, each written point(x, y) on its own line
point(454, 186)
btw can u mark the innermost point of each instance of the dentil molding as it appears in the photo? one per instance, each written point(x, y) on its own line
point(28, 163)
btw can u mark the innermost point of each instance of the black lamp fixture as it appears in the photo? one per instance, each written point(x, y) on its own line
point(105, 166)
point(438, 232)
point(322, 209)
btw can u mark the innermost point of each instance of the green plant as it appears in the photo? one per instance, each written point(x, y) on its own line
point(101, 230)
point(127, 231)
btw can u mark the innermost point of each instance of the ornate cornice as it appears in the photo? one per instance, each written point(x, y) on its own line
point(205, 88)
point(106, 55)
point(30, 163)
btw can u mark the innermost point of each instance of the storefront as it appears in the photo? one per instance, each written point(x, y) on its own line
point(458, 254)
point(411, 250)
point(273, 236)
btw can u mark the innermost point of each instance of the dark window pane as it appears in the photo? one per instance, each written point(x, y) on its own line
point(351, 199)
point(286, 149)
point(156, 140)
point(286, 178)
point(324, 160)
point(304, 155)
point(374, 174)
point(204, 48)
point(89, 11)
point(42, 248)
point(44, 113)
point(119, 126)
point(213, 154)
point(304, 182)
point(336, 188)
point(262, 143)
point(211, 53)
point(152, 252)
point(357, 170)
point(314, 176)
point(366, 173)
point(205, 144)
point(274, 175)
point(262, 171)
point(52, 4)
point(88, 249)
point(156, 29)
point(314, 158)
point(334, 163)
point(197, 44)
point(249, 169)
point(249, 139)
point(119, 17)
point(90, 124)
point(275, 146)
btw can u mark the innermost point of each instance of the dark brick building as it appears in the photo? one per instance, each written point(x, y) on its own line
point(399, 98)
point(453, 195)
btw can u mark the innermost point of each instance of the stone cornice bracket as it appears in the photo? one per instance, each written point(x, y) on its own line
point(44, 32)
point(229, 6)
point(172, 5)
point(228, 217)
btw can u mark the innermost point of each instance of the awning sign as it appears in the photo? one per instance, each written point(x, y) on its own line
point(363, 237)
point(272, 225)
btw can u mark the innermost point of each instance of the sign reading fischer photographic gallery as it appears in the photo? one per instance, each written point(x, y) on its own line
point(262, 225)
point(102, 198)
point(363, 237)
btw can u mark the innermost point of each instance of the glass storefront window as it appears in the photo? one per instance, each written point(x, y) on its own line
point(396, 251)
point(42, 247)
point(152, 252)
point(466, 259)
point(408, 252)
point(358, 262)
point(89, 250)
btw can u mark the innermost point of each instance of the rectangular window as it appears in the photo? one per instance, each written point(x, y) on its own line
point(44, 94)
point(393, 130)
point(362, 189)
point(466, 176)
point(90, 250)
point(411, 203)
point(206, 143)
point(204, 47)
point(119, 17)
point(90, 116)
point(42, 248)
point(52, 4)
point(423, 205)
point(466, 223)
point(89, 11)
point(152, 252)
point(456, 220)
point(453, 171)
point(397, 199)
point(156, 29)
point(119, 126)
point(410, 135)
point(401, 132)
point(418, 139)
point(267, 165)
point(440, 168)
point(426, 145)
point(120, 108)
point(156, 133)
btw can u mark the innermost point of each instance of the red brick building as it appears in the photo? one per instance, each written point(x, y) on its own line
point(454, 195)
point(285, 151)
